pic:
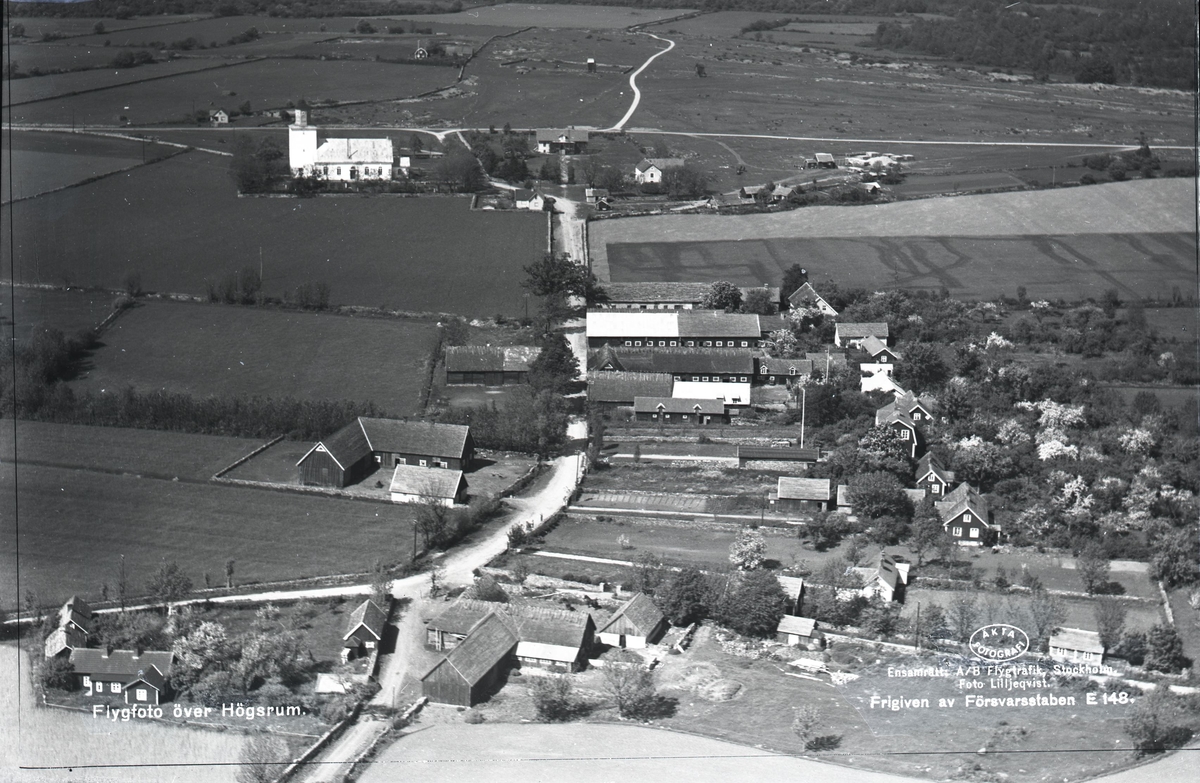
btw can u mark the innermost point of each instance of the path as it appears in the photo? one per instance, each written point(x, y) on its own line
point(570, 235)
point(330, 767)
point(637, 94)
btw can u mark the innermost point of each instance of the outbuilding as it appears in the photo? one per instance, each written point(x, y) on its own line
point(367, 443)
point(1077, 646)
point(680, 411)
point(796, 631)
point(364, 630)
point(475, 669)
point(636, 623)
point(414, 484)
point(801, 494)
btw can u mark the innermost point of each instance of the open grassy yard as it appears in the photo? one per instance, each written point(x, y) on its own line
point(44, 87)
point(74, 525)
point(100, 750)
point(41, 162)
point(429, 254)
point(33, 309)
point(266, 84)
point(995, 607)
point(222, 349)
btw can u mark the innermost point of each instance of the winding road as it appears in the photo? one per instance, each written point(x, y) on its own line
point(637, 94)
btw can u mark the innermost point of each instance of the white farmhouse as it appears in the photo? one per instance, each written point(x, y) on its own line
point(337, 159)
point(651, 170)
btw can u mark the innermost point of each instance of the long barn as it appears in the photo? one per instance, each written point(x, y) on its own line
point(474, 669)
point(360, 447)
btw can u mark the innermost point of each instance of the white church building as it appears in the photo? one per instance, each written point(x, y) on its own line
point(337, 159)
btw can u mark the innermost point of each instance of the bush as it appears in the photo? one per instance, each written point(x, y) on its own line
point(58, 674)
point(473, 717)
point(553, 699)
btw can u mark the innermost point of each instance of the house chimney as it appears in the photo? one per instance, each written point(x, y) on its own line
point(137, 652)
point(107, 651)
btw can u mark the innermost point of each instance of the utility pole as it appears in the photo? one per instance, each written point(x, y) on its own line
point(803, 405)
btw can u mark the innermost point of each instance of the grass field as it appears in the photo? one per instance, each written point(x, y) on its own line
point(100, 750)
point(1011, 609)
point(43, 87)
point(50, 56)
point(266, 84)
point(41, 162)
point(218, 349)
point(74, 525)
point(67, 311)
point(917, 187)
point(561, 16)
point(431, 254)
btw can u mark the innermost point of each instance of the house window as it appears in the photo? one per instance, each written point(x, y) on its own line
point(678, 378)
point(695, 378)
point(974, 532)
point(745, 343)
point(666, 415)
point(957, 531)
point(705, 379)
point(916, 415)
point(735, 400)
point(423, 463)
point(904, 434)
point(339, 171)
point(771, 380)
point(684, 417)
point(140, 694)
point(791, 371)
point(116, 687)
point(325, 170)
point(745, 379)
point(708, 343)
point(654, 415)
point(629, 342)
point(441, 463)
point(720, 343)
point(935, 488)
point(87, 681)
point(691, 343)
point(883, 357)
point(637, 343)
point(378, 458)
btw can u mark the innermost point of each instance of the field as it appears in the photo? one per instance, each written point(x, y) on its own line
point(562, 16)
point(218, 349)
point(67, 311)
point(100, 750)
point(44, 161)
point(918, 187)
point(1142, 615)
point(45, 87)
point(431, 254)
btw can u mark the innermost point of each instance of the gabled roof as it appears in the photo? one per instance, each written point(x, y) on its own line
point(928, 464)
point(366, 151)
point(416, 437)
point(640, 611)
point(64, 638)
point(888, 415)
point(773, 366)
point(427, 482)
point(150, 676)
point(488, 642)
point(792, 488)
point(773, 322)
point(636, 324)
point(346, 446)
point(625, 387)
point(678, 405)
point(532, 623)
point(844, 497)
point(823, 157)
point(907, 402)
point(963, 498)
point(859, 331)
point(479, 358)
point(677, 361)
point(120, 664)
point(78, 606)
point(779, 454)
point(714, 323)
point(668, 293)
point(792, 585)
point(961, 492)
point(523, 194)
point(887, 572)
point(662, 164)
point(366, 615)
point(874, 346)
point(567, 134)
point(1077, 639)
point(799, 626)
point(806, 294)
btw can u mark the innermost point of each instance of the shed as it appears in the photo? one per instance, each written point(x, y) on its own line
point(636, 623)
point(489, 365)
point(1077, 645)
point(807, 296)
point(795, 631)
point(364, 630)
point(802, 494)
point(548, 636)
point(614, 389)
point(421, 485)
point(474, 669)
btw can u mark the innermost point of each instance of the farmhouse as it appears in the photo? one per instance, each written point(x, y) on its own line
point(651, 170)
point(569, 141)
point(550, 637)
point(140, 676)
point(529, 199)
point(1077, 646)
point(342, 160)
point(918, 407)
point(636, 623)
point(680, 328)
point(852, 335)
point(360, 447)
point(364, 631)
point(489, 365)
point(680, 411)
point(616, 389)
point(772, 370)
point(887, 580)
point(665, 296)
point(801, 494)
point(900, 423)
point(878, 351)
point(931, 477)
point(703, 365)
point(474, 669)
point(796, 631)
point(218, 117)
point(879, 382)
point(415, 484)
point(823, 160)
point(807, 296)
point(965, 516)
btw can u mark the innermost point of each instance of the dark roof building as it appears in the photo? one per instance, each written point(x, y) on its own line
point(635, 623)
point(548, 636)
point(845, 335)
point(475, 668)
point(677, 361)
point(678, 405)
point(717, 324)
point(353, 451)
point(365, 622)
point(489, 365)
point(622, 388)
point(796, 494)
point(767, 454)
point(666, 296)
point(140, 676)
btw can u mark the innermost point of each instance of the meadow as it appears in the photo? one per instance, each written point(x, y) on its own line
point(429, 254)
point(75, 524)
point(206, 350)
point(100, 750)
point(40, 162)
point(585, 17)
point(21, 91)
point(33, 309)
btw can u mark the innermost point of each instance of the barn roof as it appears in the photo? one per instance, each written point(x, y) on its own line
point(800, 626)
point(774, 366)
point(366, 615)
point(497, 358)
point(792, 488)
point(778, 454)
point(635, 324)
point(889, 415)
point(624, 387)
point(1077, 639)
point(806, 294)
point(859, 331)
point(346, 446)
point(735, 361)
point(773, 322)
point(640, 611)
point(428, 482)
point(715, 323)
point(907, 401)
point(569, 134)
point(823, 157)
point(792, 585)
point(668, 293)
point(487, 643)
point(119, 663)
point(678, 405)
point(373, 151)
point(79, 606)
point(416, 437)
point(64, 638)
point(533, 623)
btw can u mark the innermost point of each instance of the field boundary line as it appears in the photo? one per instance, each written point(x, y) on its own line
point(297, 488)
point(637, 28)
point(922, 142)
point(242, 460)
point(75, 93)
point(96, 178)
point(103, 471)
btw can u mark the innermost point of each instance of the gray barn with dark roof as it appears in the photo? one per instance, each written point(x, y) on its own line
point(358, 448)
point(474, 669)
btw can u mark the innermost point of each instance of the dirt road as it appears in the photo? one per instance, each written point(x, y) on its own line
point(637, 94)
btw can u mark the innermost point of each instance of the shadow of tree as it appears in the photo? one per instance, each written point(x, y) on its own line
point(827, 742)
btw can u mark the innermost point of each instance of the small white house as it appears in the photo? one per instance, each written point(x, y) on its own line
point(1076, 645)
point(651, 170)
point(529, 199)
point(218, 117)
point(415, 484)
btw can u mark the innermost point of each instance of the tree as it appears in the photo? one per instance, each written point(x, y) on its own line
point(881, 619)
point(648, 573)
point(415, 144)
point(1164, 650)
point(168, 583)
point(555, 274)
point(686, 181)
point(805, 721)
point(229, 564)
point(1046, 613)
point(381, 584)
point(923, 367)
point(885, 450)
point(58, 673)
point(1093, 568)
point(933, 625)
point(880, 494)
point(1110, 621)
point(926, 533)
point(753, 603)
point(553, 698)
point(758, 301)
point(722, 296)
point(461, 171)
point(262, 759)
point(962, 616)
point(556, 367)
point(794, 277)
point(434, 519)
point(627, 683)
point(1173, 557)
point(1151, 725)
point(748, 550)
point(685, 597)
point(268, 654)
point(700, 70)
